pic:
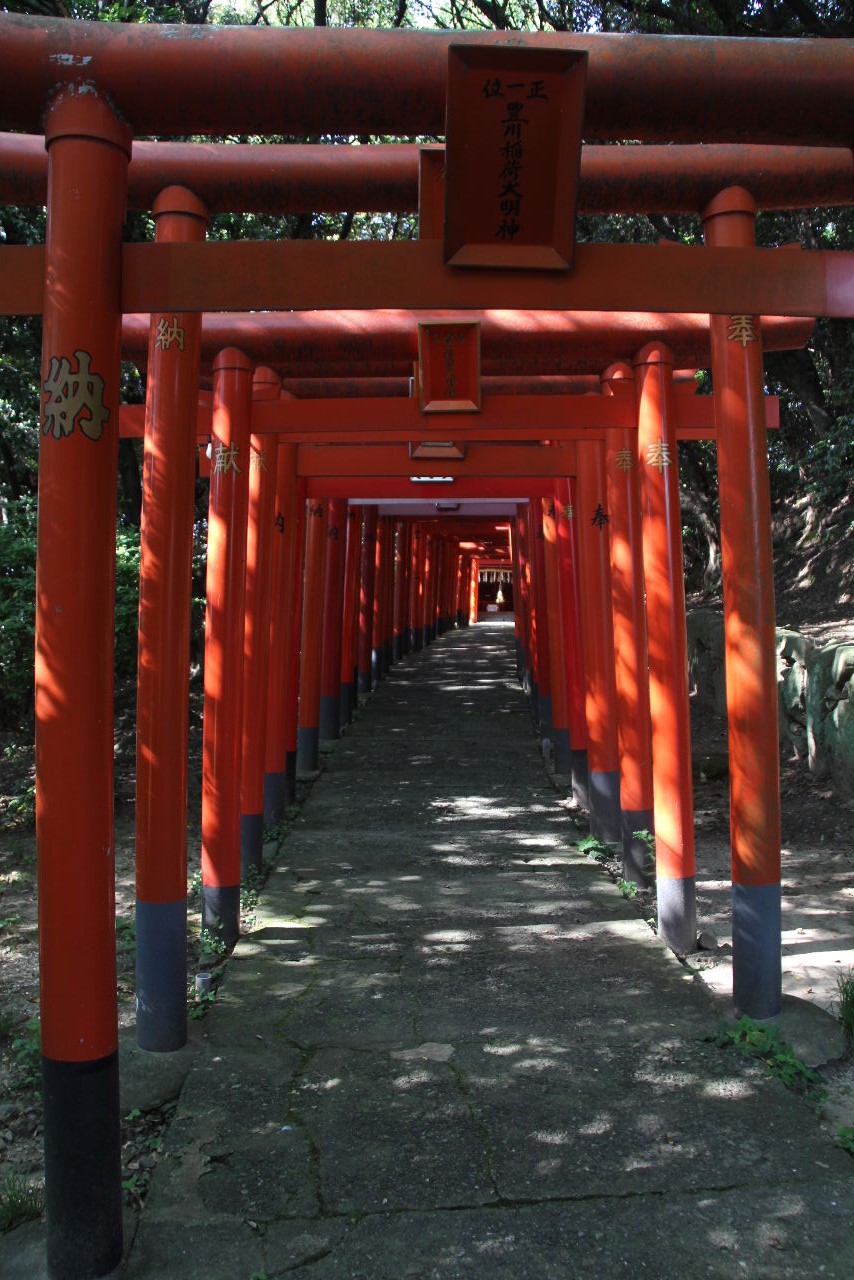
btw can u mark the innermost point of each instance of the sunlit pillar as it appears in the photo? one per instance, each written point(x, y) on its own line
point(88, 152)
point(266, 385)
point(598, 644)
point(634, 732)
point(673, 808)
point(226, 590)
point(751, 672)
point(165, 577)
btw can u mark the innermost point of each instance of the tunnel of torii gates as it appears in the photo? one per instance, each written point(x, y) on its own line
point(391, 418)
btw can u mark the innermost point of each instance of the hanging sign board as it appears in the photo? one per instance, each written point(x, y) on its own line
point(449, 367)
point(512, 156)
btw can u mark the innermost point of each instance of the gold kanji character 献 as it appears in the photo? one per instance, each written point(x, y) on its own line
point(742, 329)
point(75, 398)
point(658, 455)
point(169, 332)
point(225, 458)
point(257, 461)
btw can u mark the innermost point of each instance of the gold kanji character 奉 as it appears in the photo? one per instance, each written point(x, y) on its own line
point(73, 393)
point(658, 455)
point(742, 329)
point(624, 460)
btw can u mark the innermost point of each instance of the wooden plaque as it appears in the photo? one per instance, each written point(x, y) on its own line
point(512, 156)
point(449, 367)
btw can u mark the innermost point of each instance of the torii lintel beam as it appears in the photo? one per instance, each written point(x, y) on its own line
point(294, 178)
point(305, 275)
point(226, 80)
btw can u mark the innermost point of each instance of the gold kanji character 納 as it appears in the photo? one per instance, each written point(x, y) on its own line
point(75, 398)
point(169, 333)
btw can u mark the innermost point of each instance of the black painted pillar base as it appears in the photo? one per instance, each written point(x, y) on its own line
point(83, 1167)
point(426, 636)
point(275, 798)
point(251, 843)
point(544, 714)
point(308, 750)
point(757, 980)
point(365, 682)
point(605, 813)
point(161, 975)
point(396, 648)
point(561, 754)
point(376, 666)
point(677, 914)
point(414, 640)
point(221, 911)
point(638, 860)
point(290, 777)
point(580, 783)
point(349, 702)
point(330, 717)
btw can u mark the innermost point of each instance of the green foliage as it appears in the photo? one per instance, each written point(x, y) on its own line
point(755, 1040)
point(20, 1200)
point(845, 1138)
point(26, 1055)
point(593, 848)
point(212, 947)
point(844, 1004)
point(648, 840)
point(628, 889)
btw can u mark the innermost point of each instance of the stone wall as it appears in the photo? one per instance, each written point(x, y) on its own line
point(815, 694)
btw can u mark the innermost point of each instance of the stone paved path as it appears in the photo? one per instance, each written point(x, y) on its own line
point(450, 1048)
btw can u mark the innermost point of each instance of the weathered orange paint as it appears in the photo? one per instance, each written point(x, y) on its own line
point(226, 590)
point(88, 153)
point(665, 612)
point(166, 551)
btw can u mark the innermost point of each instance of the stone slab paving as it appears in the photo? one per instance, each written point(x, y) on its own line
point(450, 1048)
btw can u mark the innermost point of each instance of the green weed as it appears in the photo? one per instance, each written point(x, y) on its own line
point(592, 847)
point(648, 840)
point(27, 1054)
point(20, 1201)
point(844, 1005)
point(628, 889)
point(845, 1138)
point(757, 1041)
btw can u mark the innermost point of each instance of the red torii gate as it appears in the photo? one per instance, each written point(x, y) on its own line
point(163, 81)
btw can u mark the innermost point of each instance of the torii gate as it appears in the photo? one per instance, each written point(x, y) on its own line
point(163, 81)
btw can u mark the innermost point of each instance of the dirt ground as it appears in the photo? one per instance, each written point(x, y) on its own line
point(818, 914)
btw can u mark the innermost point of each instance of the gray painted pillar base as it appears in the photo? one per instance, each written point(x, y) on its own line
point(365, 683)
point(580, 785)
point(290, 777)
point(605, 813)
point(426, 636)
point(414, 640)
point(462, 619)
point(544, 708)
point(275, 798)
point(308, 750)
point(638, 861)
point(396, 648)
point(757, 977)
point(376, 666)
point(330, 717)
point(349, 702)
point(386, 656)
point(534, 695)
point(677, 914)
point(561, 754)
point(251, 843)
point(161, 975)
point(221, 911)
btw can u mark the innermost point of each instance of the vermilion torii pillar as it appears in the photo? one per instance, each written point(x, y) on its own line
point(673, 808)
point(266, 385)
point(366, 596)
point(308, 734)
point(560, 718)
point(567, 532)
point(226, 583)
point(329, 721)
point(88, 151)
point(283, 665)
point(634, 733)
point(166, 551)
point(603, 777)
point(350, 618)
point(751, 674)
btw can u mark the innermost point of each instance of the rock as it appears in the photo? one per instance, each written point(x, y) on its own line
point(706, 941)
